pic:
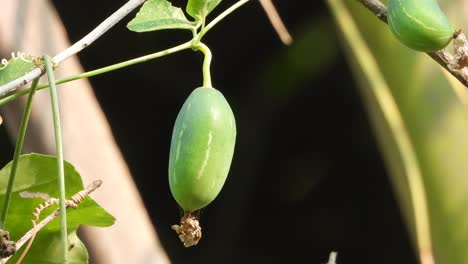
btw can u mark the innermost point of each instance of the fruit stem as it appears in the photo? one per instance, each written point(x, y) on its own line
point(206, 64)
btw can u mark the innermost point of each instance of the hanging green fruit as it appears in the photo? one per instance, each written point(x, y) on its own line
point(201, 152)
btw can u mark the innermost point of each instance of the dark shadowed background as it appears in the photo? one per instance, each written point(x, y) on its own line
point(307, 177)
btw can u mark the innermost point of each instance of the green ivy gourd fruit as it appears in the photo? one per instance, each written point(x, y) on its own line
point(419, 24)
point(201, 152)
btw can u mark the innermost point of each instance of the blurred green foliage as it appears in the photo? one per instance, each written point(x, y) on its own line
point(436, 119)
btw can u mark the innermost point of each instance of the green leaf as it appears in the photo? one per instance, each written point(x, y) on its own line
point(46, 249)
point(38, 173)
point(199, 9)
point(16, 67)
point(157, 15)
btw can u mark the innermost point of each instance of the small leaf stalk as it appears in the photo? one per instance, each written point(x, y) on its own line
point(59, 154)
point(17, 153)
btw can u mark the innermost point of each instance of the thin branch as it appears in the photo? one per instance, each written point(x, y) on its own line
point(276, 22)
point(77, 47)
point(31, 233)
point(377, 7)
point(442, 57)
point(77, 198)
point(98, 31)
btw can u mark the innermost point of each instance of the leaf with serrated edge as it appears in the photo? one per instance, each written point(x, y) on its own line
point(38, 173)
point(157, 15)
point(199, 9)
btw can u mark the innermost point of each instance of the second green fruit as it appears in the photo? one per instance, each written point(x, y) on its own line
point(419, 24)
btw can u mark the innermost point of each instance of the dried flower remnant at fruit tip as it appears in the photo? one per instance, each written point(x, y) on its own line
point(189, 230)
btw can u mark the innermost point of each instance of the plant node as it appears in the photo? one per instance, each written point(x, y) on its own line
point(189, 230)
point(459, 63)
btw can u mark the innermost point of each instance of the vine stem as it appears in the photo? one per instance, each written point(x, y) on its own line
point(77, 47)
point(220, 17)
point(59, 154)
point(442, 57)
point(102, 70)
point(101, 29)
point(17, 153)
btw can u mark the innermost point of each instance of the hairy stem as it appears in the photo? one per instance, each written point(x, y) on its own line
point(17, 153)
point(59, 154)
